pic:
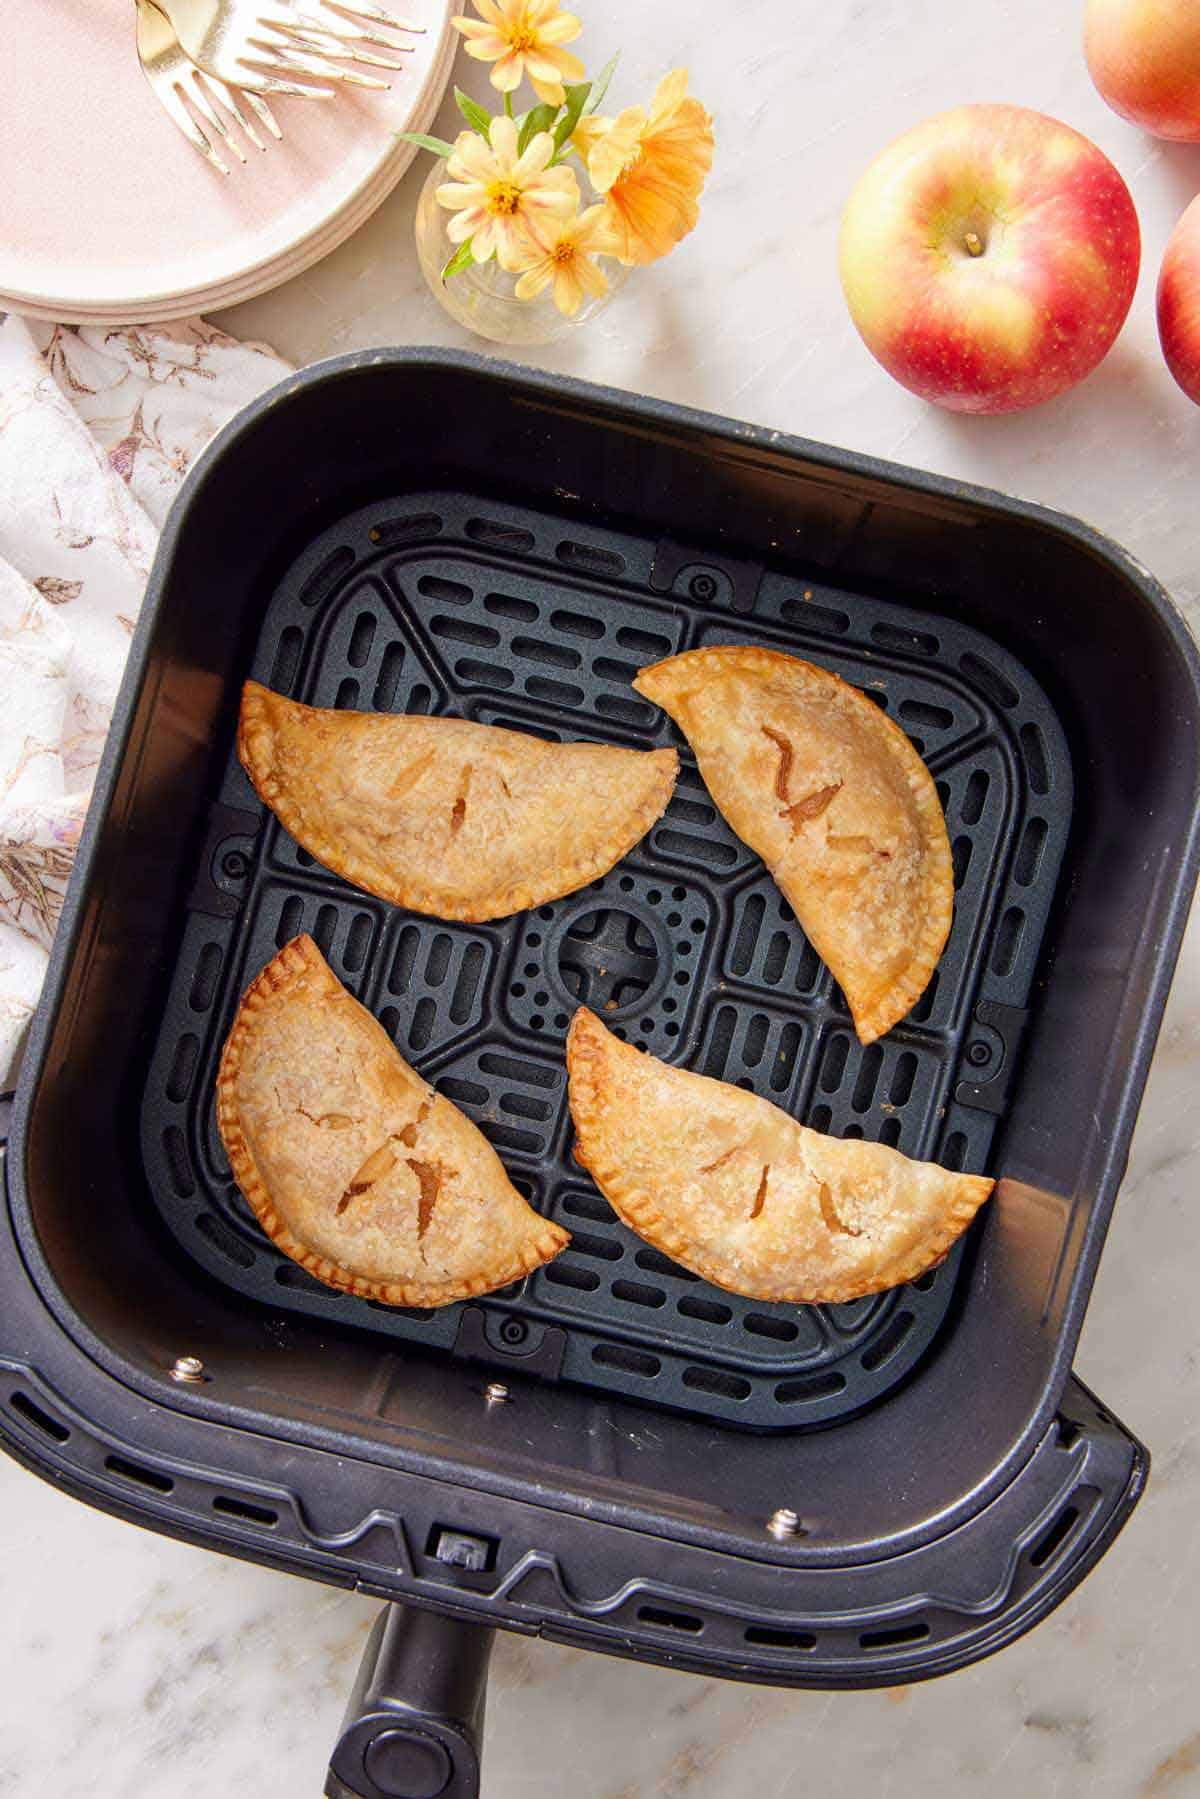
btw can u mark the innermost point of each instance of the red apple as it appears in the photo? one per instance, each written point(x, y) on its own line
point(989, 257)
point(1144, 56)
point(1179, 303)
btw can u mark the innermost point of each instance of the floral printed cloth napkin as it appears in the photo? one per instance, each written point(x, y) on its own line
point(97, 430)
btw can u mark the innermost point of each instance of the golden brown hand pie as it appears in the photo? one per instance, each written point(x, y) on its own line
point(445, 816)
point(352, 1164)
point(838, 804)
point(737, 1191)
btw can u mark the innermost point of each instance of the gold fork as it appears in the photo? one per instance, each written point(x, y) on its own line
point(342, 27)
point(184, 90)
point(278, 47)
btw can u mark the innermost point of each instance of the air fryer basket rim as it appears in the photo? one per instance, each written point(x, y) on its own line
point(669, 418)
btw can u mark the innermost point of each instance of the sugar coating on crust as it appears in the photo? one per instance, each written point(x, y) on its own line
point(740, 1193)
point(835, 799)
point(353, 1165)
point(445, 816)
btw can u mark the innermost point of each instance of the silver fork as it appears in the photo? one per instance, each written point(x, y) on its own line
point(276, 47)
point(184, 90)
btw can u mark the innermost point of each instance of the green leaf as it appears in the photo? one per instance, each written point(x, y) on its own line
point(462, 258)
point(576, 99)
point(473, 113)
point(438, 145)
point(600, 85)
point(539, 118)
point(508, 105)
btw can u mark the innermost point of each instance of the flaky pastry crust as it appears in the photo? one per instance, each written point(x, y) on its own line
point(353, 1165)
point(836, 801)
point(742, 1194)
point(444, 816)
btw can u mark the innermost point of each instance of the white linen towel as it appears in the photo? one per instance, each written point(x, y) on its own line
point(97, 429)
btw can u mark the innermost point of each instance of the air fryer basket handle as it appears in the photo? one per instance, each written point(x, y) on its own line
point(413, 1726)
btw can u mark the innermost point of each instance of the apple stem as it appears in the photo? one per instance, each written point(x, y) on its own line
point(974, 243)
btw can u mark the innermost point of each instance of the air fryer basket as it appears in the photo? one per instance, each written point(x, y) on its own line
point(425, 531)
point(430, 603)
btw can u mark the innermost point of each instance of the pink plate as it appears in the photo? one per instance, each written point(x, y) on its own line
point(110, 216)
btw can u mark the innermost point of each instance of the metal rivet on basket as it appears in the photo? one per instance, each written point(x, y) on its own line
point(496, 1393)
point(188, 1368)
point(784, 1523)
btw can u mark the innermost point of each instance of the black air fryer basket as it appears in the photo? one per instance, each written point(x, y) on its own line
point(612, 1453)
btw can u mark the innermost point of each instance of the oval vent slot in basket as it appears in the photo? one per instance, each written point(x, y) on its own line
point(894, 1636)
point(40, 1419)
point(664, 1619)
point(765, 1637)
point(246, 1510)
point(139, 1474)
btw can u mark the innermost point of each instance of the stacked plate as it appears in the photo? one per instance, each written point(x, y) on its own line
point(109, 216)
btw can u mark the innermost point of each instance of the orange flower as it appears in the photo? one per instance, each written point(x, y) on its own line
point(524, 37)
point(563, 256)
point(651, 168)
point(498, 196)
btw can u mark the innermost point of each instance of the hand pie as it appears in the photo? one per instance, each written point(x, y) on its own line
point(445, 816)
point(352, 1164)
point(737, 1191)
point(838, 804)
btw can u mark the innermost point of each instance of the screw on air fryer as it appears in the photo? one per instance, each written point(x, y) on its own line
point(188, 1369)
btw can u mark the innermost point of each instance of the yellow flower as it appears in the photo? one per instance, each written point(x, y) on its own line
point(650, 167)
point(563, 256)
point(524, 37)
point(497, 195)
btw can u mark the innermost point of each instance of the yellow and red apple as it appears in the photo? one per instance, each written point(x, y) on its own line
point(989, 258)
point(1144, 56)
point(1179, 303)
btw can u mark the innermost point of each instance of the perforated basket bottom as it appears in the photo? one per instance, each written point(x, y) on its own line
point(447, 604)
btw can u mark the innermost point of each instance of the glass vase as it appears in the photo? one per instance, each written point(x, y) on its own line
point(482, 296)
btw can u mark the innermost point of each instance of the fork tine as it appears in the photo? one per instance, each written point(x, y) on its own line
point(341, 23)
point(291, 61)
point(332, 72)
point(267, 83)
point(342, 31)
point(160, 59)
point(174, 106)
point(259, 105)
point(372, 57)
point(339, 49)
point(361, 9)
point(228, 99)
point(262, 75)
point(193, 90)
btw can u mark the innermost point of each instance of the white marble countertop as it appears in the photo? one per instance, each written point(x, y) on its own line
point(139, 1667)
